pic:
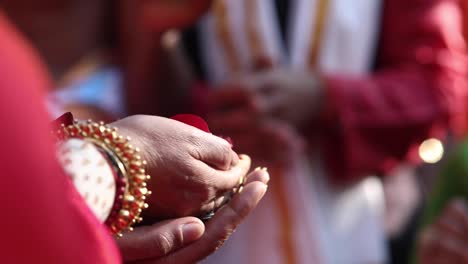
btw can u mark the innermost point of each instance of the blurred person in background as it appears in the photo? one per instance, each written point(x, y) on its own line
point(443, 230)
point(445, 239)
point(336, 91)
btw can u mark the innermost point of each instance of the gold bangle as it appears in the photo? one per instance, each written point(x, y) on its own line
point(126, 160)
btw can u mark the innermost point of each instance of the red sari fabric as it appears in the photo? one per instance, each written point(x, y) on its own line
point(417, 91)
point(43, 219)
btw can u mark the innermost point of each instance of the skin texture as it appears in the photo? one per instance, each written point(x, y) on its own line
point(190, 167)
point(187, 239)
point(446, 241)
point(48, 193)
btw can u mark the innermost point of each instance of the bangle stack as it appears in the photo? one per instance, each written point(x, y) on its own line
point(130, 175)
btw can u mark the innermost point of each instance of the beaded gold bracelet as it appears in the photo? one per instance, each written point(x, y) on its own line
point(125, 159)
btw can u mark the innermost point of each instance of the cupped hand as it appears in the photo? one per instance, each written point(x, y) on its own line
point(189, 168)
point(446, 241)
point(188, 240)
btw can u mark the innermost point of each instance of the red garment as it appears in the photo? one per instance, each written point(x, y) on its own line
point(416, 92)
point(43, 219)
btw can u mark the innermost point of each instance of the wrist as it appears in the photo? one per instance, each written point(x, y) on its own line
point(106, 170)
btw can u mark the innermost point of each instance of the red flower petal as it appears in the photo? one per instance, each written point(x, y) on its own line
point(192, 120)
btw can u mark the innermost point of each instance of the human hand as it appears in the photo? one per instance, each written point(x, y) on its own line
point(267, 141)
point(190, 168)
point(187, 240)
point(446, 241)
point(292, 97)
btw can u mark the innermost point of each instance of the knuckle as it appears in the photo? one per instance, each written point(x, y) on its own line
point(163, 242)
point(225, 156)
point(179, 238)
point(195, 137)
point(222, 149)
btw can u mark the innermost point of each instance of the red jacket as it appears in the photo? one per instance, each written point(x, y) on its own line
point(417, 91)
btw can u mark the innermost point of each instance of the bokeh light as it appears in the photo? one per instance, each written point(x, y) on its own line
point(431, 150)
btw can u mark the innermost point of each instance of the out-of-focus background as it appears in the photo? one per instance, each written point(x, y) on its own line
point(356, 106)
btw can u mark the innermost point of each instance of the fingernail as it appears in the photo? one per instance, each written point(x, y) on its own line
point(191, 232)
point(264, 190)
point(265, 169)
point(258, 169)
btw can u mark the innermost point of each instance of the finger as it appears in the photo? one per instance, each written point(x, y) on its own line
point(436, 245)
point(430, 244)
point(259, 175)
point(160, 239)
point(460, 210)
point(451, 228)
point(223, 181)
point(214, 151)
point(221, 225)
point(450, 250)
point(454, 220)
point(436, 248)
point(235, 159)
point(458, 207)
point(426, 250)
point(267, 102)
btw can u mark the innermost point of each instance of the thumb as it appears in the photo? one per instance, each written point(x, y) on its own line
point(223, 224)
point(160, 239)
